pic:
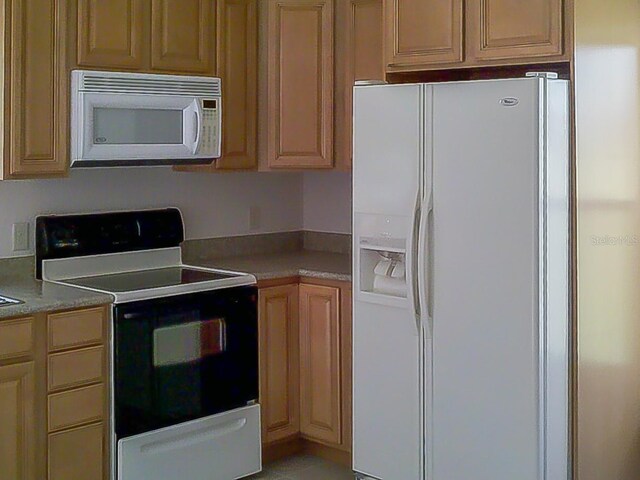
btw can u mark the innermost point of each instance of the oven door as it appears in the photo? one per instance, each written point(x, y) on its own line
point(183, 358)
point(126, 129)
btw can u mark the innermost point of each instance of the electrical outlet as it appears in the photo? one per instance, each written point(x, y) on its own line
point(255, 220)
point(20, 237)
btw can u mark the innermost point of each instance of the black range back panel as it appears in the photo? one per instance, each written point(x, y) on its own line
point(64, 236)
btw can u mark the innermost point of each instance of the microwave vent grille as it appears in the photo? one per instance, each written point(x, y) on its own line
point(151, 84)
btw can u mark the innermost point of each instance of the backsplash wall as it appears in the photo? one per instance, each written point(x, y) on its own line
point(213, 205)
point(327, 202)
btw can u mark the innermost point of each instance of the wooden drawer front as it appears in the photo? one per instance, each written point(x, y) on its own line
point(76, 329)
point(76, 407)
point(76, 368)
point(16, 338)
point(77, 454)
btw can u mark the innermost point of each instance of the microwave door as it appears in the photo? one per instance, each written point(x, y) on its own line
point(119, 129)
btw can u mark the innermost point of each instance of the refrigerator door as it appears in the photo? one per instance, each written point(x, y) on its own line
point(492, 362)
point(388, 147)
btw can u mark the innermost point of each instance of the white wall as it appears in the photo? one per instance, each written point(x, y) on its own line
point(213, 205)
point(327, 202)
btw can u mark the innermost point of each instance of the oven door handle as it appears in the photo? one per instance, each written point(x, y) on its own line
point(193, 438)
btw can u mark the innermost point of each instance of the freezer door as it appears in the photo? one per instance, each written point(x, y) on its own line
point(388, 146)
point(488, 380)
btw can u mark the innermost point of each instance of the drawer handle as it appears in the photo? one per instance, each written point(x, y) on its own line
point(193, 438)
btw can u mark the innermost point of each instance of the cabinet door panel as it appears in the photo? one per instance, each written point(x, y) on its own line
point(279, 362)
point(506, 29)
point(77, 454)
point(423, 32)
point(17, 424)
point(300, 84)
point(111, 33)
point(183, 36)
point(238, 67)
point(359, 52)
point(36, 88)
point(320, 359)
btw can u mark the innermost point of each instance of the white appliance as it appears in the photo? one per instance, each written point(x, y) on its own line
point(463, 373)
point(131, 119)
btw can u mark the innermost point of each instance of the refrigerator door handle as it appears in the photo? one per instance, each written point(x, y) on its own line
point(412, 264)
point(425, 261)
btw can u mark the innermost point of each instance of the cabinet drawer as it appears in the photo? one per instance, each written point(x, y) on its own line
point(75, 368)
point(76, 329)
point(77, 454)
point(16, 338)
point(79, 406)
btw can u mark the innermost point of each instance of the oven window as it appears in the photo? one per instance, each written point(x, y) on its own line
point(135, 126)
point(184, 358)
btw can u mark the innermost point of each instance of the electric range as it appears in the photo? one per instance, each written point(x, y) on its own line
point(184, 344)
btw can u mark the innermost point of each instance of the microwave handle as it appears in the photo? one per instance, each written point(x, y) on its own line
point(196, 109)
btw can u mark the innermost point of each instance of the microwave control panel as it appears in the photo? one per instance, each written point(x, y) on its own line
point(210, 129)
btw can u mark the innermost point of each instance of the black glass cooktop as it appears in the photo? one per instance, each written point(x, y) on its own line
point(148, 279)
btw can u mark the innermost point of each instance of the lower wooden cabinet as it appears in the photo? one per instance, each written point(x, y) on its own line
point(320, 368)
point(77, 454)
point(305, 362)
point(54, 396)
point(279, 361)
point(17, 422)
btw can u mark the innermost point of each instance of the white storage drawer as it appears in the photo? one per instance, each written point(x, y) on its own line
point(221, 447)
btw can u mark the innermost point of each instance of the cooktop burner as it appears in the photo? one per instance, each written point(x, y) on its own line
point(148, 279)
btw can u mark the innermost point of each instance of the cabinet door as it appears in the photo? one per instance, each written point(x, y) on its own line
point(279, 362)
point(300, 83)
point(511, 29)
point(423, 33)
point(77, 454)
point(35, 88)
point(320, 372)
point(111, 33)
point(360, 56)
point(183, 36)
point(17, 424)
point(238, 68)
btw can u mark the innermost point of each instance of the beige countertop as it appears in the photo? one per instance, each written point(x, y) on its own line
point(45, 297)
point(304, 263)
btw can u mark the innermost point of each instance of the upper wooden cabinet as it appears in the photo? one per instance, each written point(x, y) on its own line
point(34, 93)
point(111, 33)
point(445, 34)
point(300, 78)
point(423, 32)
point(183, 36)
point(506, 29)
point(238, 69)
point(359, 56)
point(171, 36)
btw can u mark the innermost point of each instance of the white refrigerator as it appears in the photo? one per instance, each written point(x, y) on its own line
point(461, 280)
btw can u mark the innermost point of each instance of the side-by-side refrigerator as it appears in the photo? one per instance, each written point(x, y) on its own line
point(461, 280)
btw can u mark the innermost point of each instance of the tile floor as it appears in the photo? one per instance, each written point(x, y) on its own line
point(304, 467)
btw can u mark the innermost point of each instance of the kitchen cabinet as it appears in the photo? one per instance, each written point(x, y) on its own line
point(279, 362)
point(17, 422)
point(510, 29)
point(34, 127)
point(77, 454)
point(320, 367)
point(305, 365)
point(359, 56)
point(111, 34)
point(300, 84)
point(423, 33)
point(183, 36)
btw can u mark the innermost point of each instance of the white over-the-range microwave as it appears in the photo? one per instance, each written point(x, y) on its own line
point(130, 119)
